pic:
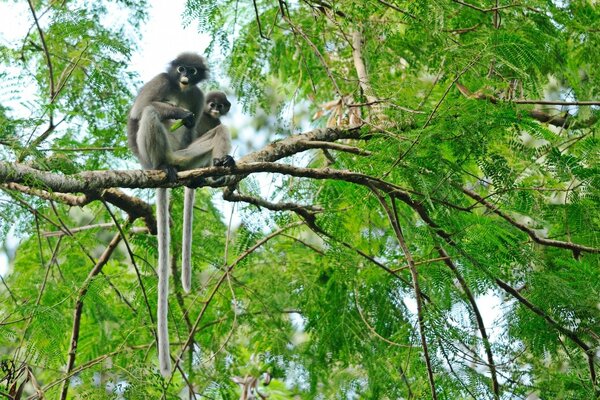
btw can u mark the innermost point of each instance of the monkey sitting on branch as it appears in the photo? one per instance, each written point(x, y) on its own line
point(211, 145)
point(170, 96)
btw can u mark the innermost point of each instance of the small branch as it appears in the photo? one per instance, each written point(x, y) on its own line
point(45, 47)
point(575, 248)
point(106, 225)
point(322, 7)
point(79, 149)
point(370, 328)
point(562, 121)
point(222, 279)
point(393, 7)
point(300, 32)
point(589, 352)
point(557, 102)
point(335, 146)
point(395, 223)
point(486, 10)
point(77, 313)
point(257, 17)
point(307, 214)
point(133, 206)
point(229, 195)
point(481, 326)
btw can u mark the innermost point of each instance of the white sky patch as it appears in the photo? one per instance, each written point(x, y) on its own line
point(3, 264)
point(164, 37)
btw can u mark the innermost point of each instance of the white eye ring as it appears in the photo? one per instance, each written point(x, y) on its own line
point(180, 69)
point(192, 71)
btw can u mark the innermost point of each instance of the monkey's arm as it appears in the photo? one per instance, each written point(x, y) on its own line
point(168, 111)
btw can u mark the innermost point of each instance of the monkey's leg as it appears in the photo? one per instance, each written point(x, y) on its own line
point(186, 251)
point(221, 143)
point(197, 155)
point(162, 222)
point(153, 144)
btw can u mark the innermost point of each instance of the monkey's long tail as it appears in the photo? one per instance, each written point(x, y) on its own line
point(162, 222)
point(186, 251)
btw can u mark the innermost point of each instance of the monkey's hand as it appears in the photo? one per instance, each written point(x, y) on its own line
point(189, 120)
point(225, 161)
point(176, 126)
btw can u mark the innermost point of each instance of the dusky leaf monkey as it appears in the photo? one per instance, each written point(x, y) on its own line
point(168, 97)
point(210, 146)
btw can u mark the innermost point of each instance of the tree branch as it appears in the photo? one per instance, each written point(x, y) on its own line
point(576, 248)
point(481, 326)
point(562, 121)
point(395, 223)
point(77, 312)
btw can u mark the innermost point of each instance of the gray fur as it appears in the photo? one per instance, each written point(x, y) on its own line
point(169, 96)
point(162, 222)
point(211, 141)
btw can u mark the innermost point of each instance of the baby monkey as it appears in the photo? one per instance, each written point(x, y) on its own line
point(211, 145)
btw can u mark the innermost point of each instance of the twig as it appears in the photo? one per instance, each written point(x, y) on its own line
point(395, 223)
point(370, 328)
point(557, 102)
point(222, 279)
point(257, 17)
point(589, 352)
point(486, 10)
point(77, 312)
point(564, 120)
point(393, 7)
point(574, 247)
point(300, 32)
point(335, 146)
point(90, 227)
point(484, 336)
point(45, 47)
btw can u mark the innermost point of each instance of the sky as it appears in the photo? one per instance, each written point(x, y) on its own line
point(164, 37)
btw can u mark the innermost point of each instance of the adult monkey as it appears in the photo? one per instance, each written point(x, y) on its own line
point(211, 145)
point(169, 96)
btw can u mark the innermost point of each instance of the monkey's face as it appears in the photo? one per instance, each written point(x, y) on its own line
point(187, 70)
point(217, 104)
point(216, 109)
point(188, 76)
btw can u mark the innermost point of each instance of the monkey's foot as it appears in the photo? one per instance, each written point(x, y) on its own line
point(225, 161)
point(171, 173)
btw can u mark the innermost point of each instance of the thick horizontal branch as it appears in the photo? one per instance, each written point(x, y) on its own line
point(92, 181)
point(133, 206)
point(82, 188)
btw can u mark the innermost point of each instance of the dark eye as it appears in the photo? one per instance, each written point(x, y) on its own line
point(180, 69)
point(192, 71)
point(211, 105)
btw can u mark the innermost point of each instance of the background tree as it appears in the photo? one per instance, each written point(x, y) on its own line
point(431, 232)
